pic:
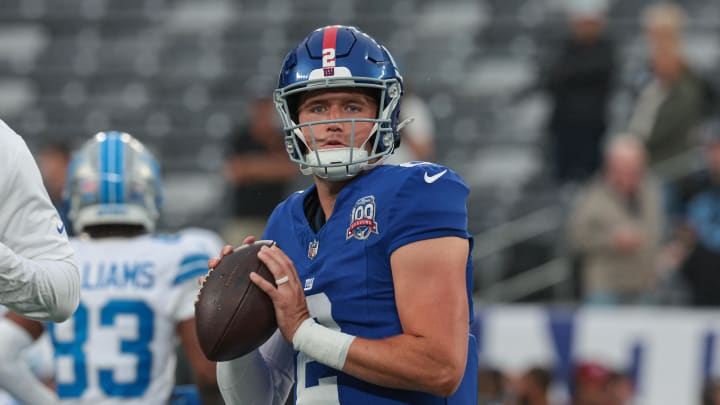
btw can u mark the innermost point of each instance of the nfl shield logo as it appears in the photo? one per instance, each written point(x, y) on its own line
point(313, 249)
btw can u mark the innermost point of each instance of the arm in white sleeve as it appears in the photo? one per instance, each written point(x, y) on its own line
point(15, 375)
point(38, 275)
point(45, 290)
point(261, 377)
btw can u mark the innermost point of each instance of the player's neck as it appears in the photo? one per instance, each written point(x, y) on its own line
point(327, 193)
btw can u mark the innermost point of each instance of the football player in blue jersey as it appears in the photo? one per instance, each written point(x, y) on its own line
point(137, 288)
point(372, 269)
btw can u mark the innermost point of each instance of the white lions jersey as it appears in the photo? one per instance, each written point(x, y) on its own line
point(119, 347)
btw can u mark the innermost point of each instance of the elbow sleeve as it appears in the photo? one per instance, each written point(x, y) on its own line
point(15, 375)
point(63, 291)
point(245, 380)
point(45, 290)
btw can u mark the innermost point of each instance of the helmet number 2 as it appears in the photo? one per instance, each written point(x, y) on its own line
point(328, 57)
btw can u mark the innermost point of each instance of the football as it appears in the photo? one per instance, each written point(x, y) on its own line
point(234, 316)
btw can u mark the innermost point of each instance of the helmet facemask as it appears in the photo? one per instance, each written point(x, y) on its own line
point(338, 164)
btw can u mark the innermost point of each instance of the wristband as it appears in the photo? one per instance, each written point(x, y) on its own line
point(327, 346)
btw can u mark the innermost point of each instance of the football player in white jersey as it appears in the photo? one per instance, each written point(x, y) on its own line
point(38, 275)
point(137, 290)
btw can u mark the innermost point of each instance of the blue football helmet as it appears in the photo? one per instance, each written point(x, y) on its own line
point(113, 179)
point(339, 57)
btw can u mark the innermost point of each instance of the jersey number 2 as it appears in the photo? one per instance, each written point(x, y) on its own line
point(317, 383)
point(139, 347)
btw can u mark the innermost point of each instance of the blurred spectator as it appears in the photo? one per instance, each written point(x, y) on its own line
point(590, 384)
point(534, 386)
point(697, 234)
point(615, 227)
point(711, 392)
point(705, 177)
point(579, 81)
point(672, 99)
point(53, 160)
point(620, 389)
point(418, 136)
point(491, 384)
point(257, 170)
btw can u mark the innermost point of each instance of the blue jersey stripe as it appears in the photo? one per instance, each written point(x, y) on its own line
point(193, 258)
point(104, 198)
point(190, 274)
point(192, 266)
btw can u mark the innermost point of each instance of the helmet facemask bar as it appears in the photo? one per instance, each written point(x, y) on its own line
point(339, 163)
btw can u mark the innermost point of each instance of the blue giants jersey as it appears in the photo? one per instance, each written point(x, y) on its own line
point(345, 269)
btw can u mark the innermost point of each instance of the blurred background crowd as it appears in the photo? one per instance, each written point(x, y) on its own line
point(588, 131)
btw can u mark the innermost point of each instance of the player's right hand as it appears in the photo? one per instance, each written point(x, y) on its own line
point(214, 261)
point(226, 250)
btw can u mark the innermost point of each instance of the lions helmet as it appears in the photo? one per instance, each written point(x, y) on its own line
point(113, 179)
point(339, 57)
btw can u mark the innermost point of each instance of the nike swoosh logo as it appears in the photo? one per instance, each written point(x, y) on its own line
point(434, 177)
point(60, 228)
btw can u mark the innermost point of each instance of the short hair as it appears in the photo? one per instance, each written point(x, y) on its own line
point(541, 376)
point(586, 8)
point(61, 148)
point(622, 140)
point(664, 15)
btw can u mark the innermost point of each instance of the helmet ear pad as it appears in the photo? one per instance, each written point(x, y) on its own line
point(395, 119)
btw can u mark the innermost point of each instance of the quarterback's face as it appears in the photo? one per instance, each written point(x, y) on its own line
point(337, 105)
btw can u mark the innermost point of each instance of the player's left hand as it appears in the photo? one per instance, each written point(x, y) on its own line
point(288, 298)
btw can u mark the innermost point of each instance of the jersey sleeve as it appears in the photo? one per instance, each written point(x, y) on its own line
point(197, 247)
point(431, 203)
point(270, 225)
point(263, 376)
point(278, 220)
point(39, 275)
point(16, 377)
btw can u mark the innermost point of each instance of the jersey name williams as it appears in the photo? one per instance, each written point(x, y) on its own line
point(131, 274)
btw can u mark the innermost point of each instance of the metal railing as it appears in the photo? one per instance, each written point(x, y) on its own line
point(556, 272)
point(515, 231)
point(551, 274)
